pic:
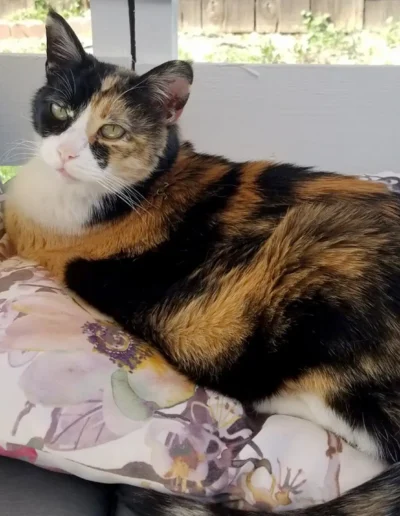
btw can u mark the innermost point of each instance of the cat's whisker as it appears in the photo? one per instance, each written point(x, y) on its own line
point(27, 145)
point(65, 82)
point(18, 143)
point(9, 153)
point(73, 81)
point(22, 140)
point(18, 147)
point(29, 119)
point(12, 155)
point(131, 187)
point(63, 94)
point(68, 84)
point(136, 199)
point(119, 195)
point(15, 160)
point(113, 189)
point(126, 92)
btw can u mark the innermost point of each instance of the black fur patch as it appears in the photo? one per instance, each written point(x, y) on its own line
point(160, 274)
point(113, 207)
point(101, 153)
point(378, 497)
point(73, 87)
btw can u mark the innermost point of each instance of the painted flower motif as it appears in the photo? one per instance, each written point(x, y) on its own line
point(134, 396)
point(93, 400)
point(26, 291)
point(226, 413)
point(115, 343)
point(100, 382)
point(188, 453)
point(40, 316)
point(267, 489)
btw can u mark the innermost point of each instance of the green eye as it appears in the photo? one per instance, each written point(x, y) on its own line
point(60, 112)
point(112, 131)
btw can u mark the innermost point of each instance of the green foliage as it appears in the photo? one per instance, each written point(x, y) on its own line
point(185, 55)
point(7, 173)
point(321, 43)
point(41, 8)
point(324, 43)
point(231, 53)
point(392, 33)
point(241, 52)
point(270, 53)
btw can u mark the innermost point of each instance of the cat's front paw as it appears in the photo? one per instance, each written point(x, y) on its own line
point(90, 281)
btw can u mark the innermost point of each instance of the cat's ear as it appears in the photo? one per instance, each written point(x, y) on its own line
point(170, 85)
point(63, 46)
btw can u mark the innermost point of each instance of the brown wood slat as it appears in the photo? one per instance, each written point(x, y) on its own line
point(190, 15)
point(289, 14)
point(378, 11)
point(213, 15)
point(228, 16)
point(346, 14)
point(11, 6)
point(266, 15)
point(239, 16)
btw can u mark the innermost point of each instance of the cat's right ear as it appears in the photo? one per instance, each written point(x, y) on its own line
point(63, 46)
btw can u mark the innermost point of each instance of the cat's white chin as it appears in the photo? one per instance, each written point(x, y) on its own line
point(66, 175)
point(54, 200)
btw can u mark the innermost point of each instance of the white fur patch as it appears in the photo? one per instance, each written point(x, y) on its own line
point(84, 167)
point(51, 199)
point(43, 195)
point(310, 407)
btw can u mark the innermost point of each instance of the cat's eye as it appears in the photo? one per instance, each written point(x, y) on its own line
point(112, 131)
point(60, 112)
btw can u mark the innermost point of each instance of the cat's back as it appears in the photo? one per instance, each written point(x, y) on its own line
point(321, 239)
point(283, 201)
point(276, 187)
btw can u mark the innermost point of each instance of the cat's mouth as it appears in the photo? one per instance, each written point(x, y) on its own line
point(62, 171)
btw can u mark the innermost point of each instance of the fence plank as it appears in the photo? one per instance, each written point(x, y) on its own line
point(213, 15)
point(346, 14)
point(266, 15)
point(60, 4)
point(217, 16)
point(11, 6)
point(378, 11)
point(228, 16)
point(239, 16)
point(289, 14)
point(190, 15)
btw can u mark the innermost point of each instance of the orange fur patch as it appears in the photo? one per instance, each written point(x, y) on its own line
point(341, 186)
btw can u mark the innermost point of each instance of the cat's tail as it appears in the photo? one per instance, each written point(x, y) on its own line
point(378, 497)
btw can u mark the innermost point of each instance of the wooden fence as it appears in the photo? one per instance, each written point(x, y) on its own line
point(241, 16)
point(8, 7)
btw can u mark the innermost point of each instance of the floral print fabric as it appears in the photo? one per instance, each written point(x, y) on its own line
point(79, 395)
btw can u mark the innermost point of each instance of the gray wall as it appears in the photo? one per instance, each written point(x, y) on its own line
point(336, 118)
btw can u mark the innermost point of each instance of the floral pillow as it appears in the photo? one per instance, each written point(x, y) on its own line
point(79, 395)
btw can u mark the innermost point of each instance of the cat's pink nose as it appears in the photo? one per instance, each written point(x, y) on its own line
point(66, 153)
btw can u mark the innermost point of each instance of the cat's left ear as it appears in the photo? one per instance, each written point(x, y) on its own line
point(170, 85)
point(63, 46)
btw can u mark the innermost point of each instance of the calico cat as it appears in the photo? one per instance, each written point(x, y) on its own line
point(273, 284)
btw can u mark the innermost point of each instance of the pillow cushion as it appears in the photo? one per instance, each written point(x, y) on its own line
point(79, 395)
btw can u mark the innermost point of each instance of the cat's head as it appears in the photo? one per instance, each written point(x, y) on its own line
point(99, 123)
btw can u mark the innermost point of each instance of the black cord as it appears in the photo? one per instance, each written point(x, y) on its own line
point(132, 25)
